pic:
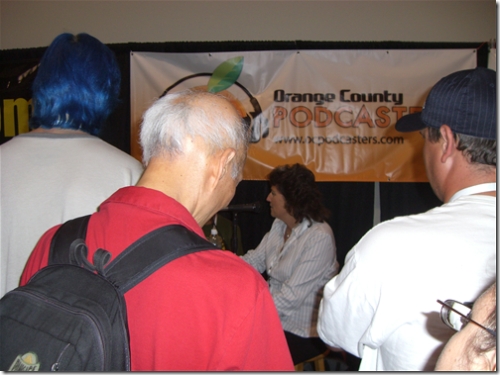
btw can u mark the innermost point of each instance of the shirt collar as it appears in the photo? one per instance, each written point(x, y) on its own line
point(158, 202)
point(299, 229)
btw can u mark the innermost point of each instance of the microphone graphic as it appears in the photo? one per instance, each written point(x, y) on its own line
point(249, 207)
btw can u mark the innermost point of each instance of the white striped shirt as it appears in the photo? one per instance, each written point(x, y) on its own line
point(298, 269)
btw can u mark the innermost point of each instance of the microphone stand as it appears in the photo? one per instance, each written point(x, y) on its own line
point(255, 207)
point(234, 238)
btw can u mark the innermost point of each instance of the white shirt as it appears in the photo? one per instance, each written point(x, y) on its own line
point(298, 269)
point(382, 306)
point(47, 179)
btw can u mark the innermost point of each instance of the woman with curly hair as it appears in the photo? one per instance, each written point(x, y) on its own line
point(298, 255)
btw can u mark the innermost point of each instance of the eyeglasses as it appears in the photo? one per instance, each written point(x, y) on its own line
point(456, 315)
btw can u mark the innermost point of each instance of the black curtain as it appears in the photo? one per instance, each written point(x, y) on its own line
point(405, 199)
point(351, 206)
point(351, 203)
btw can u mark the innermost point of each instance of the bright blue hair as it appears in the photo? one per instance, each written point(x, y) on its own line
point(77, 84)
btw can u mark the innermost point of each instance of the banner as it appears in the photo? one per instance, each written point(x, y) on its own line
point(332, 110)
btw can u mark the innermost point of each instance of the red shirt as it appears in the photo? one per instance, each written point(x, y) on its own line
point(207, 311)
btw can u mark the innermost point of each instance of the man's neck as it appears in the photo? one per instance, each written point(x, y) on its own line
point(464, 175)
point(483, 188)
point(182, 180)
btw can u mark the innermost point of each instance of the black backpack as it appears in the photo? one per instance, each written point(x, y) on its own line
point(71, 315)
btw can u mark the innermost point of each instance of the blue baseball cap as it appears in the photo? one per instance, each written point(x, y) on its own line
point(466, 101)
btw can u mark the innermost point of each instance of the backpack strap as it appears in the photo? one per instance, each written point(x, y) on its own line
point(64, 236)
point(136, 262)
point(152, 252)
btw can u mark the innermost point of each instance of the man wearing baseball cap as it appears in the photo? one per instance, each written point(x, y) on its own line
point(382, 306)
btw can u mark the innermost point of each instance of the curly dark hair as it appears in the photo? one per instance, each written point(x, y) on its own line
point(476, 150)
point(302, 197)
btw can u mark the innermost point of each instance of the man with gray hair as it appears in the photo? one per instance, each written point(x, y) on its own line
point(209, 310)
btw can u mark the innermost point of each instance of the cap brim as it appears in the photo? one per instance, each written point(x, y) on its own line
point(410, 123)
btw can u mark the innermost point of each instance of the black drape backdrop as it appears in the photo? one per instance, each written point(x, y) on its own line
point(351, 203)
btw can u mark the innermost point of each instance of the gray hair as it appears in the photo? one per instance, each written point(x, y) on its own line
point(175, 117)
point(477, 150)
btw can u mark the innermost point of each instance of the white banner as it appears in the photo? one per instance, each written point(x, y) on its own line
point(332, 110)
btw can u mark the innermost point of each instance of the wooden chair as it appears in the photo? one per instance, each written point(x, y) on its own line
point(318, 361)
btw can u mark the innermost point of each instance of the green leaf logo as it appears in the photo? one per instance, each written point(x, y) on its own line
point(225, 74)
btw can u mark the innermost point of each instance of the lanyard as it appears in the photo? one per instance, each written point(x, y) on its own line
point(476, 189)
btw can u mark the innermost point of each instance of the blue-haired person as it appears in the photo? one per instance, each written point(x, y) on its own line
point(61, 169)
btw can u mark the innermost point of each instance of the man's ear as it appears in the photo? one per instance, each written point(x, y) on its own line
point(486, 361)
point(492, 359)
point(449, 143)
point(223, 163)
